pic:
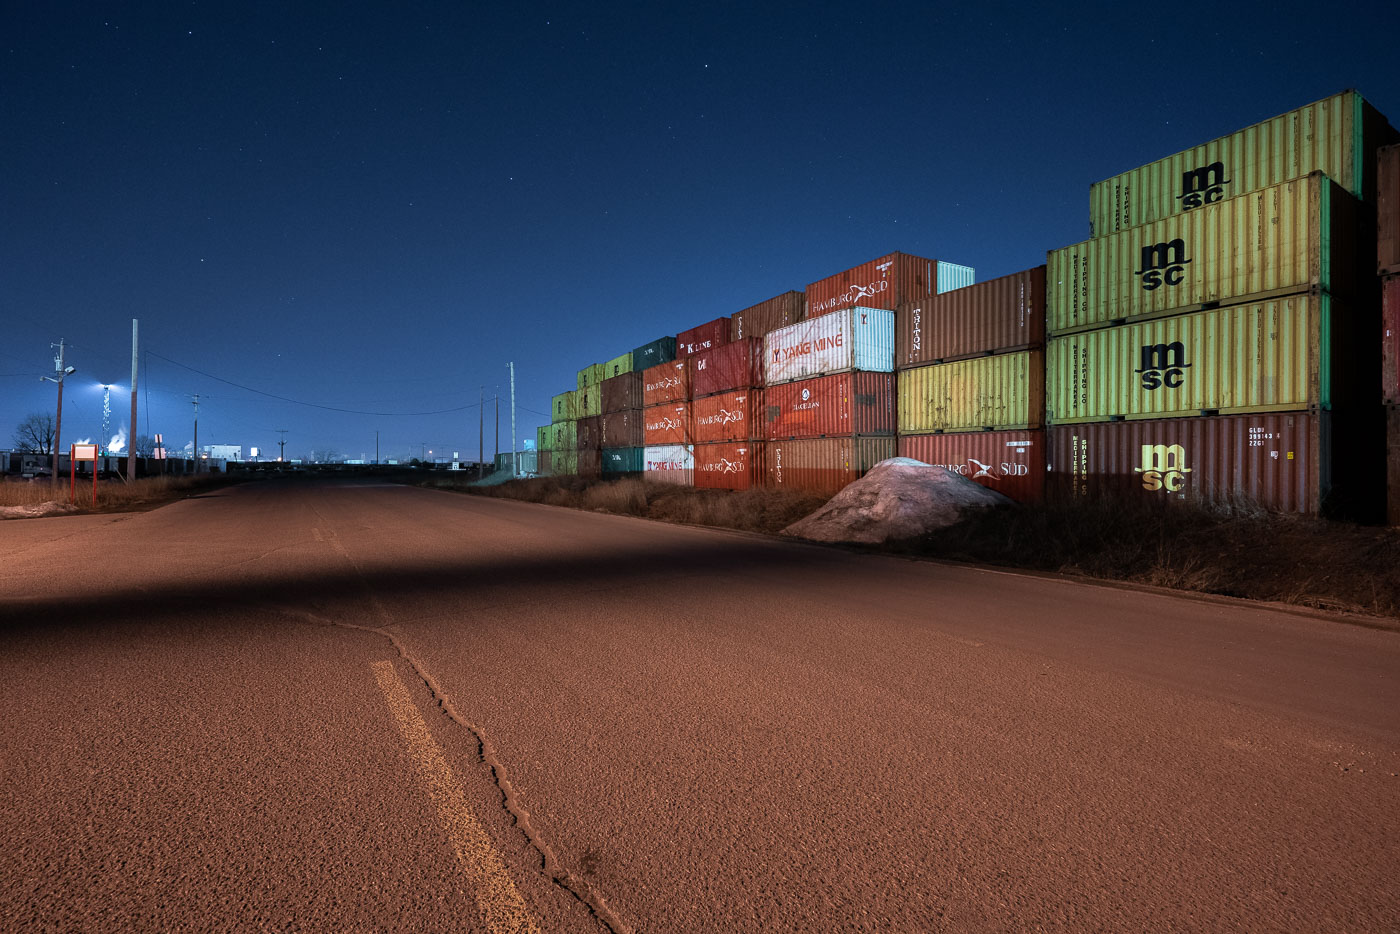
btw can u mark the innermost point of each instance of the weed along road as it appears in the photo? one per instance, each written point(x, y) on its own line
point(338, 706)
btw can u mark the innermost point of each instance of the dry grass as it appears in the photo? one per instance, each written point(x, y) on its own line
point(112, 495)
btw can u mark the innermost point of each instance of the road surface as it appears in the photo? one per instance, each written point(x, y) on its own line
point(347, 706)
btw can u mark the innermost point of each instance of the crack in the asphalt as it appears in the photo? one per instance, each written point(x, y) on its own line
point(576, 886)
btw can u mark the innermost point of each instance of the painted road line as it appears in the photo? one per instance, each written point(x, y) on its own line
point(496, 895)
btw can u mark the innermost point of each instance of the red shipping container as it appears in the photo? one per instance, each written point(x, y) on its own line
point(590, 464)
point(710, 334)
point(623, 429)
point(738, 365)
point(1281, 462)
point(1392, 463)
point(758, 320)
point(727, 416)
point(543, 463)
point(887, 282)
point(844, 404)
point(1388, 210)
point(1010, 462)
point(998, 315)
point(622, 392)
point(666, 382)
point(1390, 340)
point(667, 424)
point(729, 466)
point(822, 465)
point(590, 434)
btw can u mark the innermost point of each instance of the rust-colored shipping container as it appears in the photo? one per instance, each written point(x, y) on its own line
point(887, 282)
point(544, 461)
point(736, 365)
point(1299, 236)
point(1003, 391)
point(1010, 462)
point(843, 404)
point(669, 463)
point(623, 429)
point(1281, 462)
point(727, 416)
point(758, 320)
point(729, 466)
point(666, 382)
point(1392, 464)
point(703, 337)
point(667, 424)
point(822, 465)
point(589, 463)
point(1390, 340)
point(1001, 314)
point(622, 392)
point(589, 433)
point(1388, 210)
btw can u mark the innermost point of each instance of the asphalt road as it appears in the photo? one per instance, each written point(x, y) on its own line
point(344, 707)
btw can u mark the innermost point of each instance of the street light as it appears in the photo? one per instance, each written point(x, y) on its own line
point(63, 373)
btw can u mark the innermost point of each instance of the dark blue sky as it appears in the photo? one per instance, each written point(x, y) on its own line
point(377, 206)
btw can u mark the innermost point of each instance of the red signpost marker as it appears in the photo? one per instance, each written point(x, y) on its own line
point(82, 452)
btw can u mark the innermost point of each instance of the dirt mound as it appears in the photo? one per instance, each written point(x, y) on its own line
point(899, 499)
point(37, 510)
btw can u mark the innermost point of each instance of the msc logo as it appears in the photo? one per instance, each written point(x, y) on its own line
point(1162, 365)
point(1202, 186)
point(1163, 467)
point(1163, 263)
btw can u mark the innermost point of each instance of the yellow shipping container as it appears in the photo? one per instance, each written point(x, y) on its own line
point(590, 375)
point(589, 401)
point(1338, 136)
point(617, 366)
point(563, 463)
point(1265, 357)
point(564, 436)
point(1283, 240)
point(981, 394)
point(564, 406)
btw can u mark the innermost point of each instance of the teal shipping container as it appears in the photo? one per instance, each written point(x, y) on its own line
point(622, 461)
point(662, 350)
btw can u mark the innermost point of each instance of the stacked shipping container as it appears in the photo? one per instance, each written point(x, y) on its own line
point(726, 388)
point(1388, 266)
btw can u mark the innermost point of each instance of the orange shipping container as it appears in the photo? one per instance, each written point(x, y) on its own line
point(822, 465)
point(729, 466)
point(997, 315)
point(666, 382)
point(828, 406)
point(667, 424)
point(728, 416)
point(758, 320)
point(887, 282)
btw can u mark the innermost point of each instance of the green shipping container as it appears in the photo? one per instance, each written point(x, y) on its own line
point(564, 406)
point(622, 460)
point(563, 463)
point(589, 401)
point(1283, 240)
point(544, 440)
point(590, 375)
point(981, 394)
point(1269, 356)
point(1338, 136)
point(617, 366)
point(565, 436)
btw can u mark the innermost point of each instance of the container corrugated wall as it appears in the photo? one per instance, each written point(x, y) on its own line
point(1262, 357)
point(758, 320)
point(668, 382)
point(564, 406)
point(999, 392)
point(1388, 210)
point(1390, 340)
point(622, 461)
point(702, 337)
point(887, 282)
point(669, 463)
point(621, 392)
point(590, 375)
point(951, 276)
point(623, 429)
point(736, 365)
point(545, 460)
point(617, 366)
point(1392, 464)
point(1281, 462)
point(1338, 136)
point(563, 463)
point(589, 401)
point(1282, 240)
point(565, 436)
point(667, 424)
point(661, 350)
point(822, 465)
point(544, 438)
point(844, 404)
point(729, 466)
point(1007, 313)
point(1010, 462)
point(588, 463)
point(854, 338)
point(588, 433)
point(727, 416)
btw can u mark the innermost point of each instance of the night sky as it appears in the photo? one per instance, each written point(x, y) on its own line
point(376, 207)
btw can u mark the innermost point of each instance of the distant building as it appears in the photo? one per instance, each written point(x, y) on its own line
point(225, 452)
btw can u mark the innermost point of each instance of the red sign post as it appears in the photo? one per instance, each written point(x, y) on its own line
point(82, 452)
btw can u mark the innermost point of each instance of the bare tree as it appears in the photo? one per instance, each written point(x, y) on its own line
point(34, 435)
point(144, 445)
point(323, 456)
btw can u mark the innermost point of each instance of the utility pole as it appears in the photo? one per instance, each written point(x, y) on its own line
point(514, 467)
point(481, 436)
point(196, 432)
point(131, 435)
point(498, 425)
point(61, 372)
point(376, 448)
point(282, 444)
